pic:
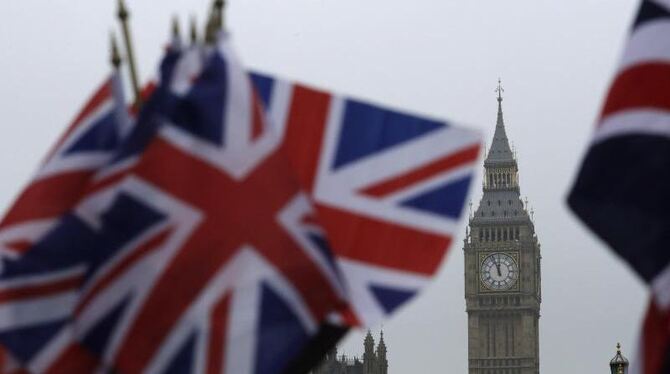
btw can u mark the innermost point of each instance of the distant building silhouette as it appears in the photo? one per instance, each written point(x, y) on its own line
point(372, 362)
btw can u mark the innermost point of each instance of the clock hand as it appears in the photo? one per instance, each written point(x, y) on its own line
point(498, 268)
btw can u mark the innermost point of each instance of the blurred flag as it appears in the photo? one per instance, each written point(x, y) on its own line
point(621, 190)
point(86, 157)
point(87, 145)
point(203, 254)
point(389, 188)
point(240, 218)
point(40, 284)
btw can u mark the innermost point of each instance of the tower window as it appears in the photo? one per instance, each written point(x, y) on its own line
point(498, 202)
point(488, 202)
point(509, 202)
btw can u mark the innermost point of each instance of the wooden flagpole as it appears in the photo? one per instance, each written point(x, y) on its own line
point(115, 56)
point(194, 31)
point(130, 56)
point(214, 21)
point(176, 31)
point(219, 6)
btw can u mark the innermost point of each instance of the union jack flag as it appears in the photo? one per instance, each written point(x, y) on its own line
point(87, 144)
point(621, 189)
point(389, 188)
point(249, 215)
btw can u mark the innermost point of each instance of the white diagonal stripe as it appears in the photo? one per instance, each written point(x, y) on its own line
point(634, 122)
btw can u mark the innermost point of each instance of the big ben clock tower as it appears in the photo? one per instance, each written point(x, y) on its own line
point(502, 270)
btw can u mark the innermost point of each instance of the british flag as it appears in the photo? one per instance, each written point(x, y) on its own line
point(251, 214)
point(87, 145)
point(620, 191)
point(389, 188)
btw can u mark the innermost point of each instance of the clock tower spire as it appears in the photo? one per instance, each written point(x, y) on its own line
point(502, 269)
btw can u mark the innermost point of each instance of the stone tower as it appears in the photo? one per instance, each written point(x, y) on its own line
point(369, 357)
point(502, 270)
point(382, 363)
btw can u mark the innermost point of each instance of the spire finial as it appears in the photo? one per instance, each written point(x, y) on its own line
point(618, 347)
point(499, 90)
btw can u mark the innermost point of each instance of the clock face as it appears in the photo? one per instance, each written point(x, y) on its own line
point(499, 272)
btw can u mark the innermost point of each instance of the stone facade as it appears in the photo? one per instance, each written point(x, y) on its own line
point(373, 361)
point(502, 270)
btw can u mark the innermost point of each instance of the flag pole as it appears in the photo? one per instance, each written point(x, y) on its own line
point(194, 31)
point(211, 29)
point(123, 18)
point(219, 6)
point(176, 31)
point(214, 21)
point(115, 56)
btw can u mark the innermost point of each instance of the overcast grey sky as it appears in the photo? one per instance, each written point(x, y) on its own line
point(439, 57)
